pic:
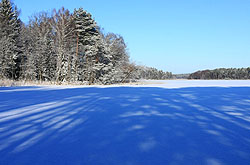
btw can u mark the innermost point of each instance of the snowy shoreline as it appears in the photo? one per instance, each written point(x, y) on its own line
point(198, 83)
point(168, 84)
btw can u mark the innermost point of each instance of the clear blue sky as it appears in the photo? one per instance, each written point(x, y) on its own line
point(180, 36)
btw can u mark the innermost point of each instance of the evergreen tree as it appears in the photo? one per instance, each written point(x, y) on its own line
point(94, 62)
point(222, 73)
point(28, 67)
point(10, 27)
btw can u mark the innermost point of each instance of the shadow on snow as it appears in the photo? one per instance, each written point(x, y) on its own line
point(125, 125)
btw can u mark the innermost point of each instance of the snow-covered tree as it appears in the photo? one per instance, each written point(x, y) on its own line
point(65, 47)
point(94, 63)
point(41, 53)
point(10, 49)
point(63, 29)
point(28, 67)
point(120, 58)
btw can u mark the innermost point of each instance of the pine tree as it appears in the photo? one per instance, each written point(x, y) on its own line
point(28, 68)
point(10, 26)
point(94, 63)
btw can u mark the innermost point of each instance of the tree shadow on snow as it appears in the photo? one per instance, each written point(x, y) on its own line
point(125, 125)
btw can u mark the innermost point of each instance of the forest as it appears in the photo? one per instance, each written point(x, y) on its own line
point(222, 73)
point(65, 47)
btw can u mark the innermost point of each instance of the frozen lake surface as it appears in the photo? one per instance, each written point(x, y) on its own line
point(197, 83)
point(163, 122)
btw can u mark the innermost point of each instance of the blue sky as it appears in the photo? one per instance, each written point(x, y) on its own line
point(180, 36)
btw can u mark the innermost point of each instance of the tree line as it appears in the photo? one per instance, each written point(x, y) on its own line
point(144, 72)
point(222, 73)
point(61, 46)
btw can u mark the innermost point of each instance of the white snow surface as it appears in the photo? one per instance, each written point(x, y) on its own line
point(196, 83)
point(151, 83)
point(185, 122)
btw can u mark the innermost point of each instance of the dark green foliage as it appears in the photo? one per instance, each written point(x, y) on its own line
point(181, 76)
point(222, 73)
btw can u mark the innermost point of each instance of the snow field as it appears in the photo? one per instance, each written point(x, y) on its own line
point(162, 122)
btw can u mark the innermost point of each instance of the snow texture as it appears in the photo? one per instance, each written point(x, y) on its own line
point(169, 122)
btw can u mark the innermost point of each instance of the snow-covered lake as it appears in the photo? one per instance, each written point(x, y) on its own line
point(163, 122)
